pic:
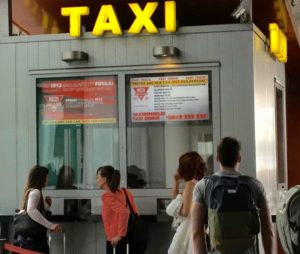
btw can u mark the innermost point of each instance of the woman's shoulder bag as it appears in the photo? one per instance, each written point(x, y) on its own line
point(137, 233)
point(25, 226)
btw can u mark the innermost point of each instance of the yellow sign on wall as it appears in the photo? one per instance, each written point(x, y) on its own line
point(107, 19)
point(278, 43)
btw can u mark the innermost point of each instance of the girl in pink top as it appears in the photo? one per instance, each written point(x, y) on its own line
point(115, 212)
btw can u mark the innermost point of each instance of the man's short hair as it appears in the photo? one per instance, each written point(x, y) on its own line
point(228, 151)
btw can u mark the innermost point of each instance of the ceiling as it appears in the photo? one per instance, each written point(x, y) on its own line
point(294, 9)
point(293, 68)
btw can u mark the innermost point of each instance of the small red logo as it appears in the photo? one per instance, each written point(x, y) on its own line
point(141, 91)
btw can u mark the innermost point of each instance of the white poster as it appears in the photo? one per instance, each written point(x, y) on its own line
point(170, 98)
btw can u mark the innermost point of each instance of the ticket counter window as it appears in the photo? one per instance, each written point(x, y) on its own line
point(167, 115)
point(77, 129)
point(280, 137)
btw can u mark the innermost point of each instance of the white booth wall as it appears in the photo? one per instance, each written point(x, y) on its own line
point(268, 72)
point(244, 85)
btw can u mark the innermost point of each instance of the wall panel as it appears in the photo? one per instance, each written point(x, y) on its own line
point(190, 47)
point(131, 50)
point(121, 53)
point(202, 48)
point(144, 51)
point(33, 56)
point(226, 85)
point(22, 108)
point(98, 52)
point(110, 57)
point(54, 54)
point(43, 55)
point(213, 44)
point(87, 47)
point(266, 69)
point(8, 139)
point(242, 97)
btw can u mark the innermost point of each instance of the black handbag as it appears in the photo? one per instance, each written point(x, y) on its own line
point(25, 226)
point(137, 233)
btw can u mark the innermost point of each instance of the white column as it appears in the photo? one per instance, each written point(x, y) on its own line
point(4, 18)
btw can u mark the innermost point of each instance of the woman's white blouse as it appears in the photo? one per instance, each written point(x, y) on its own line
point(32, 208)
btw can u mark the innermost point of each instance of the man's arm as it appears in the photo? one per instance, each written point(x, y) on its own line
point(198, 227)
point(266, 229)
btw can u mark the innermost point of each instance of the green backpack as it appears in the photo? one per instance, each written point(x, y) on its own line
point(233, 218)
point(288, 221)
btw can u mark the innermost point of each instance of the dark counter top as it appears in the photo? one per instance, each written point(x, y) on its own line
point(6, 218)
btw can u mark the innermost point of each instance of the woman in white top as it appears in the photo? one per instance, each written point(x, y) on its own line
point(34, 204)
point(190, 170)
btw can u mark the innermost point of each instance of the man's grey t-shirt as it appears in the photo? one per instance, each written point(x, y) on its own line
point(202, 189)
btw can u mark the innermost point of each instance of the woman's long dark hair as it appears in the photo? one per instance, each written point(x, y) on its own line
point(36, 180)
point(112, 177)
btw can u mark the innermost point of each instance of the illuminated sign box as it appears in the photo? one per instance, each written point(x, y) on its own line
point(278, 43)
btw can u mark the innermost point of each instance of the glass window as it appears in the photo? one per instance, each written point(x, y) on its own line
point(280, 135)
point(167, 115)
point(77, 129)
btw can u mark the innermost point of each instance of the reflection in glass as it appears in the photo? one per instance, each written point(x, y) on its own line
point(77, 129)
point(280, 136)
point(167, 115)
point(65, 179)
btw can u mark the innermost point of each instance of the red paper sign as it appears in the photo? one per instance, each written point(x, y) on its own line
point(79, 101)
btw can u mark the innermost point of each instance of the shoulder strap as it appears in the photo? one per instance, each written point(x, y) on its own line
point(127, 201)
point(212, 177)
point(244, 179)
point(241, 179)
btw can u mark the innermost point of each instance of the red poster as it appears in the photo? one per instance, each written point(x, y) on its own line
point(79, 101)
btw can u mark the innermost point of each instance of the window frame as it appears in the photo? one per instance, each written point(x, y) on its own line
point(120, 73)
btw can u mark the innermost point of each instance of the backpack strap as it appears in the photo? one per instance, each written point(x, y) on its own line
point(216, 177)
point(213, 178)
point(209, 178)
point(242, 179)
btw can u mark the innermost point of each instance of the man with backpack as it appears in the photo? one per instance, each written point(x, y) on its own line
point(230, 208)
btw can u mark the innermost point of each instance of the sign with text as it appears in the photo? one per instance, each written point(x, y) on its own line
point(91, 101)
point(107, 20)
point(170, 98)
point(278, 42)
